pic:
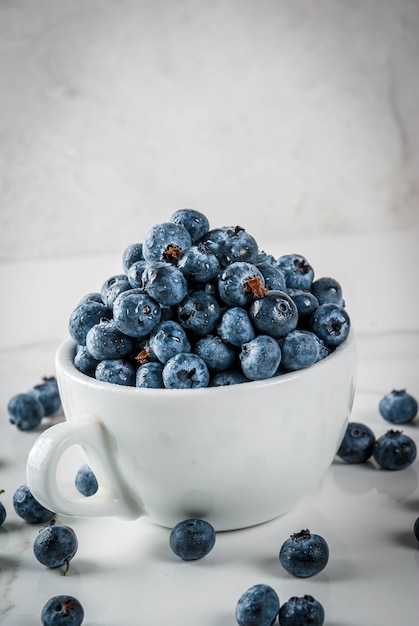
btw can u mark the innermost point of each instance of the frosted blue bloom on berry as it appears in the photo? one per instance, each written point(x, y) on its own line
point(235, 327)
point(215, 352)
point(135, 274)
point(258, 606)
point(274, 277)
point(304, 554)
point(260, 358)
point(327, 290)
point(150, 375)
point(168, 339)
point(28, 508)
point(166, 242)
point(240, 283)
point(297, 271)
point(394, 450)
point(199, 264)
point(106, 341)
point(301, 611)
point(299, 350)
point(62, 610)
point(398, 407)
point(228, 377)
point(135, 313)
point(185, 371)
point(47, 394)
point(117, 371)
point(192, 539)
point(331, 323)
point(195, 222)
point(85, 481)
point(116, 278)
point(55, 545)
point(25, 411)
point(132, 254)
point(357, 444)
point(84, 317)
point(165, 283)
point(84, 361)
point(275, 314)
point(306, 304)
point(232, 244)
point(199, 312)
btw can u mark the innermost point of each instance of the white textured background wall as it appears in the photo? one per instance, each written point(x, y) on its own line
point(289, 117)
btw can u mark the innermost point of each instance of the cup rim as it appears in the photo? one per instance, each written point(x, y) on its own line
point(66, 351)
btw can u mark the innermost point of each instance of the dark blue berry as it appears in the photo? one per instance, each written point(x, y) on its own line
point(28, 508)
point(275, 314)
point(116, 278)
point(273, 277)
point(398, 407)
point(195, 222)
point(150, 375)
point(260, 358)
point(331, 323)
point(240, 283)
point(114, 290)
point(84, 317)
point(25, 411)
point(199, 312)
point(416, 528)
point(228, 377)
point(199, 264)
point(55, 545)
point(135, 313)
point(192, 539)
point(215, 352)
point(85, 481)
point(48, 395)
point(258, 606)
point(232, 244)
point(394, 450)
point(132, 254)
point(327, 291)
point(306, 304)
point(62, 610)
point(107, 341)
point(297, 271)
point(166, 242)
point(304, 554)
point(185, 371)
point(167, 340)
point(235, 327)
point(301, 611)
point(165, 283)
point(117, 371)
point(135, 274)
point(299, 349)
point(84, 361)
point(3, 512)
point(357, 444)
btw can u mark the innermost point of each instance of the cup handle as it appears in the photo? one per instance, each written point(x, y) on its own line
point(113, 498)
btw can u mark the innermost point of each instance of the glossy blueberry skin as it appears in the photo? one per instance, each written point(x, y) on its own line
point(25, 411)
point(165, 283)
point(48, 395)
point(275, 314)
point(331, 323)
point(166, 242)
point(192, 539)
point(306, 304)
point(150, 375)
point(195, 222)
point(114, 290)
point(84, 361)
point(28, 508)
point(199, 313)
point(240, 283)
point(235, 327)
point(132, 254)
point(327, 290)
point(136, 313)
point(274, 277)
point(199, 264)
point(232, 244)
point(394, 450)
point(116, 371)
point(84, 317)
point(258, 606)
point(302, 611)
point(398, 407)
point(185, 371)
point(168, 339)
point(299, 350)
point(357, 444)
point(62, 610)
point(304, 554)
point(135, 274)
point(55, 545)
point(228, 377)
point(416, 528)
point(106, 341)
point(85, 481)
point(215, 352)
point(106, 286)
point(297, 271)
point(260, 358)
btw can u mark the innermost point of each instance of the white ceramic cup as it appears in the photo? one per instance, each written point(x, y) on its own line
point(236, 456)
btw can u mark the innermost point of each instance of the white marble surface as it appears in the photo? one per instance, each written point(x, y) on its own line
point(124, 572)
point(292, 117)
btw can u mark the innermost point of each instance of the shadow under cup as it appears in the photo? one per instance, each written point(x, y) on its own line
point(236, 455)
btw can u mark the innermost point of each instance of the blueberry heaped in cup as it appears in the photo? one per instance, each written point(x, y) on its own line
point(198, 306)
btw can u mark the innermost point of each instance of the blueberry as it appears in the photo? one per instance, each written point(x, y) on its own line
point(228, 377)
point(3, 512)
point(199, 264)
point(55, 545)
point(132, 254)
point(185, 371)
point(331, 323)
point(62, 610)
point(92, 296)
point(235, 327)
point(28, 508)
point(25, 411)
point(168, 339)
point(84, 361)
point(299, 350)
point(275, 314)
point(297, 271)
point(165, 283)
point(306, 304)
point(48, 395)
point(150, 375)
point(195, 222)
point(85, 481)
point(304, 554)
point(301, 611)
point(215, 352)
point(117, 371)
point(136, 313)
point(192, 539)
point(416, 528)
point(106, 341)
point(258, 606)
point(357, 444)
point(240, 283)
point(84, 317)
point(273, 277)
point(394, 450)
point(199, 312)
point(135, 274)
point(116, 278)
point(114, 290)
point(398, 407)
point(232, 244)
point(260, 358)
point(327, 291)
point(166, 242)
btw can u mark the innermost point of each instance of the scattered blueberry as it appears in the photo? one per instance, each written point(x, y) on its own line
point(185, 371)
point(55, 545)
point(25, 411)
point(28, 508)
point(62, 610)
point(301, 611)
point(85, 481)
point(398, 407)
point(258, 606)
point(304, 554)
point(48, 395)
point(357, 444)
point(192, 539)
point(394, 450)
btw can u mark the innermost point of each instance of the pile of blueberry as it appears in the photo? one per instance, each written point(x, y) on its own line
point(26, 410)
point(199, 307)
